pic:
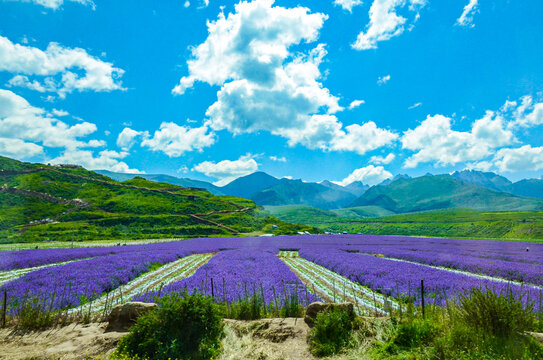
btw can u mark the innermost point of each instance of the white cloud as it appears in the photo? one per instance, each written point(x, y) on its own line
point(362, 138)
point(127, 138)
point(355, 104)
point(186, 4)
point(435, 141)
point(347, 4)
point(527, 114)
point(480, 166)
point(20, 120)
point(227, 170)
point(466, 19)
point(18, 148)
point(60, 68)
point(278, 159)
point(385, 23)
point(369, 175)
point(61, 113)
point(175, 140)
point(27, 131)
point(326, 133)
point(55, 4)
point(265, 87)
point(525, 158)
point(414, 106)
point(106, 160)
point(383, 160)
point(382, 80)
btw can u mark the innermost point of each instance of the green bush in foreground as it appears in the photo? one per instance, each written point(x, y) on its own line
point(182, 327)
point(486, 324)
point(331, 333)
point(481, 325)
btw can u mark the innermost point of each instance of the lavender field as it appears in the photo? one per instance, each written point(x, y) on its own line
point(375, 272)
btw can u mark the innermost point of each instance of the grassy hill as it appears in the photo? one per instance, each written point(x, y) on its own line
point(40, 202)
point(452, 223)
point(441, 192)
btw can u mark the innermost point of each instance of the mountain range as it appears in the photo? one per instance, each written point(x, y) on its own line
point(400, 194)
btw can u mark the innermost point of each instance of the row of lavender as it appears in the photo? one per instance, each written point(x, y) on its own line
point(531, 273)
point(245, 265)
point(233, 275)
point(69, 285)
point(403, 280)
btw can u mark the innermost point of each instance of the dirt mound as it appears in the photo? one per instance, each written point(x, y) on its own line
point(76, 341)
point(266, 339)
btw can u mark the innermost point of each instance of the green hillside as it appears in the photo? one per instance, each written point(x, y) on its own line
point(184, 182)
point(451, 223)
point(40, 202)
point(441, 192)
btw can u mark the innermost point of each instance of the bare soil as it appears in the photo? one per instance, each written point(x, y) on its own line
point(72, 342)
point(266, 339)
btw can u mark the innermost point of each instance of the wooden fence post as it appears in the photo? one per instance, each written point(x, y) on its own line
point(4, 309)
point(422, 295)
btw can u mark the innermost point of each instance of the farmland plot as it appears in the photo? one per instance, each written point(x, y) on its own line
point(333, 287)
point(150, 281)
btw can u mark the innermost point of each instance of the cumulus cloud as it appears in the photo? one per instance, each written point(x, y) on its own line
point(27, 131)
point(20, 120)
point(382, 80)
point(355, 104)
point(527, 114)
point(58, 67)
point(228, 170)
point(325, 132)
point(385, 23)
point(106, 159)
point(370, 175)
point(174, 140)
point(347, 4)
point(383, 160)
point(55, 4)
point(525, 158)
point(265, 86)
point(434, 140)
point(18, 148)
point(127, 138)
point(466, 19)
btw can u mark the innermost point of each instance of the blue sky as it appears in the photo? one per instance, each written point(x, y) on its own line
point(341, 90)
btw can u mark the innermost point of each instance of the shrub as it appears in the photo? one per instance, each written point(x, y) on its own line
point(331, 333)
point(489, 325)
point(33, 314)
point(182, 327)
point(496, 315)
point(248, 308)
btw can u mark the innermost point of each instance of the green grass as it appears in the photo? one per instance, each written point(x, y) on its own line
point(460, 223)
point(134, 209)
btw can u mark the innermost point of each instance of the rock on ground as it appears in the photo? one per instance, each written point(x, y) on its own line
point(315, 308)
point(125, 315)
